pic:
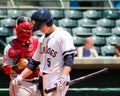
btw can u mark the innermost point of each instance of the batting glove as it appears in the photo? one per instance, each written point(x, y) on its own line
point(17, 81)
point(61, 84)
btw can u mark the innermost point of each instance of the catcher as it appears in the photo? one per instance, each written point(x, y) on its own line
point(16, 56)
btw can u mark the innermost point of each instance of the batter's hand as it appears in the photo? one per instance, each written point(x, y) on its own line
point(17, 81)
point(22, 63)
point(61, 84)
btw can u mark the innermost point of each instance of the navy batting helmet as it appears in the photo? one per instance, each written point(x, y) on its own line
point(41, 17)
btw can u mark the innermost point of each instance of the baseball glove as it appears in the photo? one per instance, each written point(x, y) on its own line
point(22, 63)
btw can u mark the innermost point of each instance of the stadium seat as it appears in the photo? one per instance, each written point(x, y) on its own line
point(38, 33)
point(92, 14)
point(101, 31)
point(29, 13)
point(73, 14)
point(105, 22)
point(5, 32)
point(81, 31)
point(113, 40)
point(98, 41)
point(117, 21)
point(111, 14)
point(67, 22)
point(3, 14)
point(2, 44)
point(8, 22)
point(78, 41)
point(57, 13)
point(68, 30)
point(85, 22)
point(116, 31)
point(56, 22)
point(14, 14)
point(98, 49)
point(8, 39)
point(107, 50)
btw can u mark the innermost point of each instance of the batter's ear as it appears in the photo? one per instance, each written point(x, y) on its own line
point(50, 23)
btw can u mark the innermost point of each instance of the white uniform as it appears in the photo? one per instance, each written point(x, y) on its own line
point(51, 51)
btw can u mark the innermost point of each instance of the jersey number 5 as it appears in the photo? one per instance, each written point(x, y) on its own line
point(48, 62)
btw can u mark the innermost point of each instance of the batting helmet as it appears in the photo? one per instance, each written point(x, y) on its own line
point(41, 17)
point(23, 29)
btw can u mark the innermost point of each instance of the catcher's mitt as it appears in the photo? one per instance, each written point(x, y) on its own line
point(22, 63)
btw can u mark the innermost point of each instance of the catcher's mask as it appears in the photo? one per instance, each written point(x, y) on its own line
point(23, 29)
point(41, 17)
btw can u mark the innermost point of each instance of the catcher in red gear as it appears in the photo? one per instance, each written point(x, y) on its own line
point(16, 56)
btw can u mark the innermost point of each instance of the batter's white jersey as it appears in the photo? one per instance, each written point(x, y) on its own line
point(52, 49)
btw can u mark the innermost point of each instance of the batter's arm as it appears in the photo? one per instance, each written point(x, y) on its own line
point(66, 71)
point(31, 67)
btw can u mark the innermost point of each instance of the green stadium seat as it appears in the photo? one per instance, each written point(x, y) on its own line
point(105, 22)
point(5, 31)
point(8, 22)
point(78, 41)
point(98, 41)
point(116, 31)
point(38, 33)
point(67, 22)
point(3, 14)
point(102, 31)
point(57, 13)
point(92, 14)
point(112, 40)
point(117, 21)
point(73, 14)
point(98, 49)
point(82, 31)
point(85, 22)
point(107, 50)
point(111, 14)
point(55, 22)
point(8, 39)
point(29, 13)
point(14, 14)
point(2, 44)
point(68, 30)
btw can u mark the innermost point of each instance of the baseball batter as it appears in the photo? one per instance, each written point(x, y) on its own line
point(16, 56)
point(55, 52)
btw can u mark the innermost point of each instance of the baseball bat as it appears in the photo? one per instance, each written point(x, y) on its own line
point(53, 88)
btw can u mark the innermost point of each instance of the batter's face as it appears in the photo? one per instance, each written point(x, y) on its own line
point(45, 29)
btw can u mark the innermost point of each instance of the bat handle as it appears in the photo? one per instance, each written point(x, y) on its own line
point(53, 88)
point(50, 89)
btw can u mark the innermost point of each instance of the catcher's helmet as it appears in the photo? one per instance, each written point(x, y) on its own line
point(41, 17)
point(23, 29)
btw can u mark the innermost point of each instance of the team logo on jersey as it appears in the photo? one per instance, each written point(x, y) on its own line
point(48, 50)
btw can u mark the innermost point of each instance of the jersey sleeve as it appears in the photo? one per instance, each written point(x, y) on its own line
point(67, 45)
point(6, 59)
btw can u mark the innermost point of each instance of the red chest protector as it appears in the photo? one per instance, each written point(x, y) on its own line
point(25, 51)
